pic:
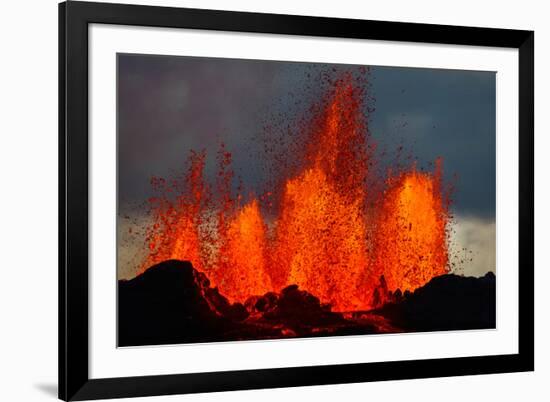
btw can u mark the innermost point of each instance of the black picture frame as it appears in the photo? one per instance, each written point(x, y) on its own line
point(74, 381)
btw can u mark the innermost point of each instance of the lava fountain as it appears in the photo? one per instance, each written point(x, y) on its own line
point(338, 227)
point(410, 236)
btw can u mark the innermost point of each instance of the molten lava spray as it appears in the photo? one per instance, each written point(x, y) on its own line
point(411, 238)
point(337, 227)
point(241, 270)
point(178, 214)
point(321, 232)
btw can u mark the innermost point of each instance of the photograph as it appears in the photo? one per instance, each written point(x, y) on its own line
point(275, 201)
point(270, 199)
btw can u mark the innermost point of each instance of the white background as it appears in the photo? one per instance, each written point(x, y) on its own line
point(108, 361)
point(28, 166)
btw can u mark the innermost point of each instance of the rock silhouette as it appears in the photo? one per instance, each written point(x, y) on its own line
point(447, 302)
point(298, 312)
point(173, 303)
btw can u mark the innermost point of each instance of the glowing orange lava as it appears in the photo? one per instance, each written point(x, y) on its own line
point(177, 219)
point(242, 267)
point(325, 236)
point(411, 241)
point(321, 239)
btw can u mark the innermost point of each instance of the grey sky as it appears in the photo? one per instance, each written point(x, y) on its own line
point(168, 105)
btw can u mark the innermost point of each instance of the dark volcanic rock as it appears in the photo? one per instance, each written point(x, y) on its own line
point(447, 302)
point(172, 302)
point(299, 304)
point(262, 304)
point(381, 294)
point(299, 313)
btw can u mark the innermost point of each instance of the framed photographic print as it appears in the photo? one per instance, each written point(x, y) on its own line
point(257, 201)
